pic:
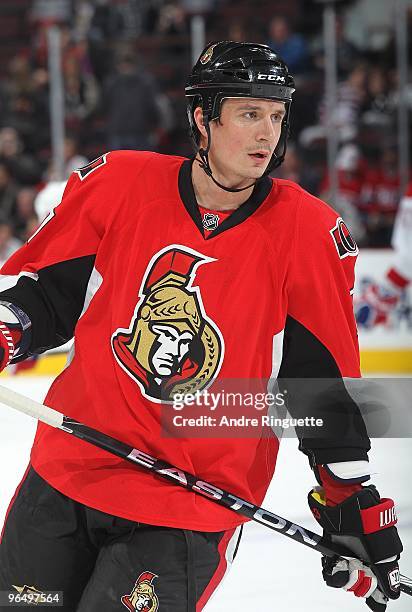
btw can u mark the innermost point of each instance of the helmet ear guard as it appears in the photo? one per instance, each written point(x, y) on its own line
point(237, 70)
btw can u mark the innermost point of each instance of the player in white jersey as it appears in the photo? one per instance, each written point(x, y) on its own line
point(378, 301)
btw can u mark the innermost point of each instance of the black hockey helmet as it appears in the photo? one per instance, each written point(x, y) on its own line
point(238, 70)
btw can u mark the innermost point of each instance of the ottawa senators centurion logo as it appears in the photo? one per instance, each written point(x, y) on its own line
point(171, 345)
point(143, 596)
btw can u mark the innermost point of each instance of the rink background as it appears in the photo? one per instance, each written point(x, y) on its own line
point(270, 572)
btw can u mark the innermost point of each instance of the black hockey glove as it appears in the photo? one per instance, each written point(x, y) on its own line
point(365, 524)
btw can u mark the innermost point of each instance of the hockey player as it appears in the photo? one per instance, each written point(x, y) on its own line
point(379, 300)
point(171, 273)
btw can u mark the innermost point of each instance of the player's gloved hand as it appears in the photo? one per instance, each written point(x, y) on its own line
point(365, 524)
point(7, 344)
point(15, 333)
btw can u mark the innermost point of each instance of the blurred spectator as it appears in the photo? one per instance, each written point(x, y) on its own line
point(351, 95)
point(350, 180)
point(106, 25)
point(18, 79)
point(8, 192)
point(291, 46)
point(379, 105)
point(82, 17)
point(172, 19)
point(23, 212)
point(237, 31)
point(23, 168)
point(345, 117)
point(380, 198)
point(173, 22)
point(25, 116)
point(8, 244)
point(81, 92)
point(72, 160)
point(347, 53)
point(40, 101)
point(50, 11)
point(130, 100)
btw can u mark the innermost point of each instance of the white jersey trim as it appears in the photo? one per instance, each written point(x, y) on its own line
point(94, 284)
point(9, 281)
point(229, 556)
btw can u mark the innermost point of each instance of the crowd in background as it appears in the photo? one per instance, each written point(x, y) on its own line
point(124, 64)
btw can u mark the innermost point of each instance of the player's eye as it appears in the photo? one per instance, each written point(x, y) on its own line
point(250, 115)
point(277, 117)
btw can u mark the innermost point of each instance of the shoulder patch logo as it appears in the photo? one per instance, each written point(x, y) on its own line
point(84, 171)
point(343, 239)
point(143, 596)
point(171, 345)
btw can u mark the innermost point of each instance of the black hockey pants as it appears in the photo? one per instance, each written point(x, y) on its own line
point(97, 562)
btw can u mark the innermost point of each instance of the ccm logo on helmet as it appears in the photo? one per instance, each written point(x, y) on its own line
point(271, 77)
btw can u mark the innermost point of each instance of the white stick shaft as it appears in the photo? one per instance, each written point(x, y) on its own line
point(28, 406)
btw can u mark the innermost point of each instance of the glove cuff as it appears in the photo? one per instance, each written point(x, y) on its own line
point(364, 516)
point(378, 517)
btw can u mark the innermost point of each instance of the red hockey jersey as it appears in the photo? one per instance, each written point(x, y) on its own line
point(158, 305)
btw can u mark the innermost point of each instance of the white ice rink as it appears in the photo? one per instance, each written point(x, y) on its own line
point(270, 572)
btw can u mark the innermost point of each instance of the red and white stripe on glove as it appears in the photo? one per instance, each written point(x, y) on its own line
point(7, 346)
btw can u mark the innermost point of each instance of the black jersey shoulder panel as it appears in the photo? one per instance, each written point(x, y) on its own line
point(315, 388)
point(53, 302)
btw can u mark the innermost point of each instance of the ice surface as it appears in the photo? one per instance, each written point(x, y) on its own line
point(270, 572)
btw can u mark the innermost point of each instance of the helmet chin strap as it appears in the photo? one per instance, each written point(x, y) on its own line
point(204, 164)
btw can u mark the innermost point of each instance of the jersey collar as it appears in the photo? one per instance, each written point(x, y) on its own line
point(187, 194)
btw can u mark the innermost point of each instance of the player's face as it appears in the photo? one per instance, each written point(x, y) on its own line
point(245, 138)
point(173, 346)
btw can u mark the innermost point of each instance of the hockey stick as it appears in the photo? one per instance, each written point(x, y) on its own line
point(177, 476)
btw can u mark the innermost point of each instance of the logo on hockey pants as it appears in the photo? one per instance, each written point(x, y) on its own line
point(171, 345)
point(143, 596)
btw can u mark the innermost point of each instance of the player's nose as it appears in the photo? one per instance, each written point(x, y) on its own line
point(267, 130)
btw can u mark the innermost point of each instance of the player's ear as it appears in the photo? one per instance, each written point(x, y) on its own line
point(198, 117)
